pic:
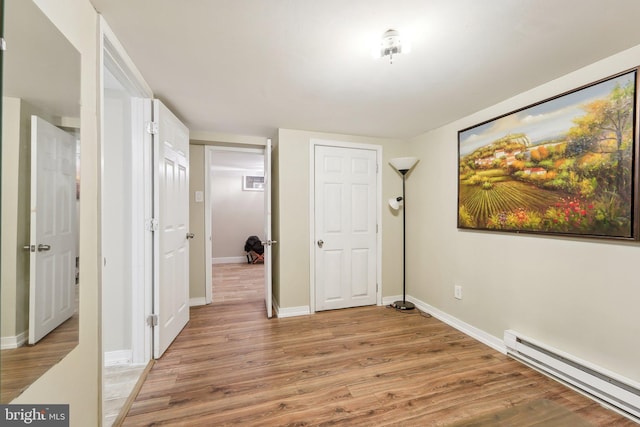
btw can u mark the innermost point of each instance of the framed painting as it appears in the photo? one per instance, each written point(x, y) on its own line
point(567, 165)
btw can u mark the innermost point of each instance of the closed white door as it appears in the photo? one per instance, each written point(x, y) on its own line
point(53, 228)
point(268, 262)
point(171, 207)
point(345, 227)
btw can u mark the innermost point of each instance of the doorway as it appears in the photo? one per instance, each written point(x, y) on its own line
point(125, 347)
point(236, 211)
point(145, 225)
point(345, 217)
point(126, 203)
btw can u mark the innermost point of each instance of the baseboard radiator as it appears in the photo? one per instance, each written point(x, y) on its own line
point(594, 382)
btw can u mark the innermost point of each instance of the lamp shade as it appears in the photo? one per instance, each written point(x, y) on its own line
point(403, 163)
point(395, 203)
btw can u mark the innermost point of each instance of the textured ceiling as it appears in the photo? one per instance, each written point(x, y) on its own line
point(251, 66)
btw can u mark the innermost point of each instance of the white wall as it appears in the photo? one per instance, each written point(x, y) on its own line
point(578, 295)
point(236, 214)
point(116, 221)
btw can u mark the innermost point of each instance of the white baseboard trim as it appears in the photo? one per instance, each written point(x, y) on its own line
point(475, 333)
point(194, 302)
point(118, 357)
point(293, 311)
point(230, 260)
point(390, 300)
point(7, 343)
point(280, 312)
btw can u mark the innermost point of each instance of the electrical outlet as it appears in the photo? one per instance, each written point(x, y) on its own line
point(457, 292)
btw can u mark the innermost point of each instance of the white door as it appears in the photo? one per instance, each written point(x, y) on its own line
point(171, 207)
point(268, 263)
point(345, 227)
point(53, 228)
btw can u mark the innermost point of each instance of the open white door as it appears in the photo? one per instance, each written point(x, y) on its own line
point(53, 228)
point(268, 261)
point(171, 208)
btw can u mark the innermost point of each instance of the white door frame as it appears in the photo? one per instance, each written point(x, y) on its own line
point(312, 213)
point(268, 235)
point(209, 152)
point(113, 55)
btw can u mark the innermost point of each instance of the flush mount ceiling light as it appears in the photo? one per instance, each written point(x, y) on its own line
point(391, 44)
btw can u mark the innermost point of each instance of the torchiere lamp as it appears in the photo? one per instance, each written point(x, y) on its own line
point(402, 165)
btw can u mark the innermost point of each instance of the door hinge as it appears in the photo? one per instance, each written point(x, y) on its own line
point(376, 228)
point(3, 44)
point(152, 320)
point(152, 128)
point(152, 225)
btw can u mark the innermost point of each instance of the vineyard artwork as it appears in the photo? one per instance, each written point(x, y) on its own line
point(563, 166)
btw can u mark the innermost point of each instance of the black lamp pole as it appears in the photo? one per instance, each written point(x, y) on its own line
point(404, 304)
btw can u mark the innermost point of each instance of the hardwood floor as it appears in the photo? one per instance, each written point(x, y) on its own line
point(238, 282)
point(369, 366)
point(20, 367)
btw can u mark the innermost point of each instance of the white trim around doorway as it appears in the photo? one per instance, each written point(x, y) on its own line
point(209, 152)
point(312, 267)
point(114, 57)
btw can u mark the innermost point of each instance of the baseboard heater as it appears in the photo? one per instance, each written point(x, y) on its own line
point(594, 382)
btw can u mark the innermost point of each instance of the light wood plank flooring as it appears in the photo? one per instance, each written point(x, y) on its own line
point(370, 366)
point(20, 367)
point(238, 282)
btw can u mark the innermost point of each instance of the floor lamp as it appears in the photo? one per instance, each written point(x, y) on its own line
point(403, 165)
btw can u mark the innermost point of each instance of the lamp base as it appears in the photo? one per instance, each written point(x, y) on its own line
point(403, 305)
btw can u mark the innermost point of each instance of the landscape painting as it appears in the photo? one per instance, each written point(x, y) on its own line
point(563, 166)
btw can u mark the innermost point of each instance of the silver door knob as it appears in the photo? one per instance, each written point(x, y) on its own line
point(320, 243)
point(190, 235)
point(42, 247)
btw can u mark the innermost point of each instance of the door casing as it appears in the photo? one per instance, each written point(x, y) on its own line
point(312, 213)
point(209, 153)
point(114, 56)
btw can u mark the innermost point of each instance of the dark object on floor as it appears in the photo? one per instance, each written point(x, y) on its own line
point(254, 249)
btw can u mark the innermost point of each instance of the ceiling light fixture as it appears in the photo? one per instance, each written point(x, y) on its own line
point(391, 44)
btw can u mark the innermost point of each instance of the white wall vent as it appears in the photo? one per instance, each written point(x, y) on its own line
point(605, 387)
